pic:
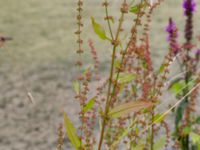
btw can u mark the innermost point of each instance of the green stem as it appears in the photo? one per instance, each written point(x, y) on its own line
point(152, 130)
point(109, 97)
point(107, 106)
point(124, 53)
point(108, 21)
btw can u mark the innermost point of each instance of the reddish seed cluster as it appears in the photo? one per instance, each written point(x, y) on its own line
point(95, 58)
point(60, 137)
point(79, 30)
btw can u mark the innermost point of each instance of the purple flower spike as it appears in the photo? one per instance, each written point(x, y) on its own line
point(172, 36)
point(189, 6)
point(171, 29)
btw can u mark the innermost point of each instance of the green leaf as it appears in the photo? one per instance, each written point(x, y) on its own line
point(71, 132)
point(186, 130)
point(126, 108)
point(160, 143)
point(125, 78)
point(98, 29)
point(76, 87)
point(178, 86)
point(135, 9)
point(89, 105)
point(195, 138)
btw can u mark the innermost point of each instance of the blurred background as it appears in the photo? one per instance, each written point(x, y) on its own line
point(40, 60)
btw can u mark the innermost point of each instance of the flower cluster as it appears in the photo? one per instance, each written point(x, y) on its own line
point(189, 6)
point(173, 34)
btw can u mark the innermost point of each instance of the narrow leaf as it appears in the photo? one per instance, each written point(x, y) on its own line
point(126, 108)
point(98, 29)
point(179, 85)
point(89, 105)
point(126, 78)
point(71, 132)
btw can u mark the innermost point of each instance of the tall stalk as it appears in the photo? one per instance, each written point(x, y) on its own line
point(115, 43)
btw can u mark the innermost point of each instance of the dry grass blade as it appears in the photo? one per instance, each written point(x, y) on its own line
point(126, 108)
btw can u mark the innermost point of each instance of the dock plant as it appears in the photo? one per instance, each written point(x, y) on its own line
point(120, 111)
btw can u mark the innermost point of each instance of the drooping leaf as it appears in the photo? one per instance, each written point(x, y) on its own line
point(126, 108)
point(76, 87)
point(98, 29)
point(160, 143)
point(71, 132)
point(89, 105)
point(125, 78)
